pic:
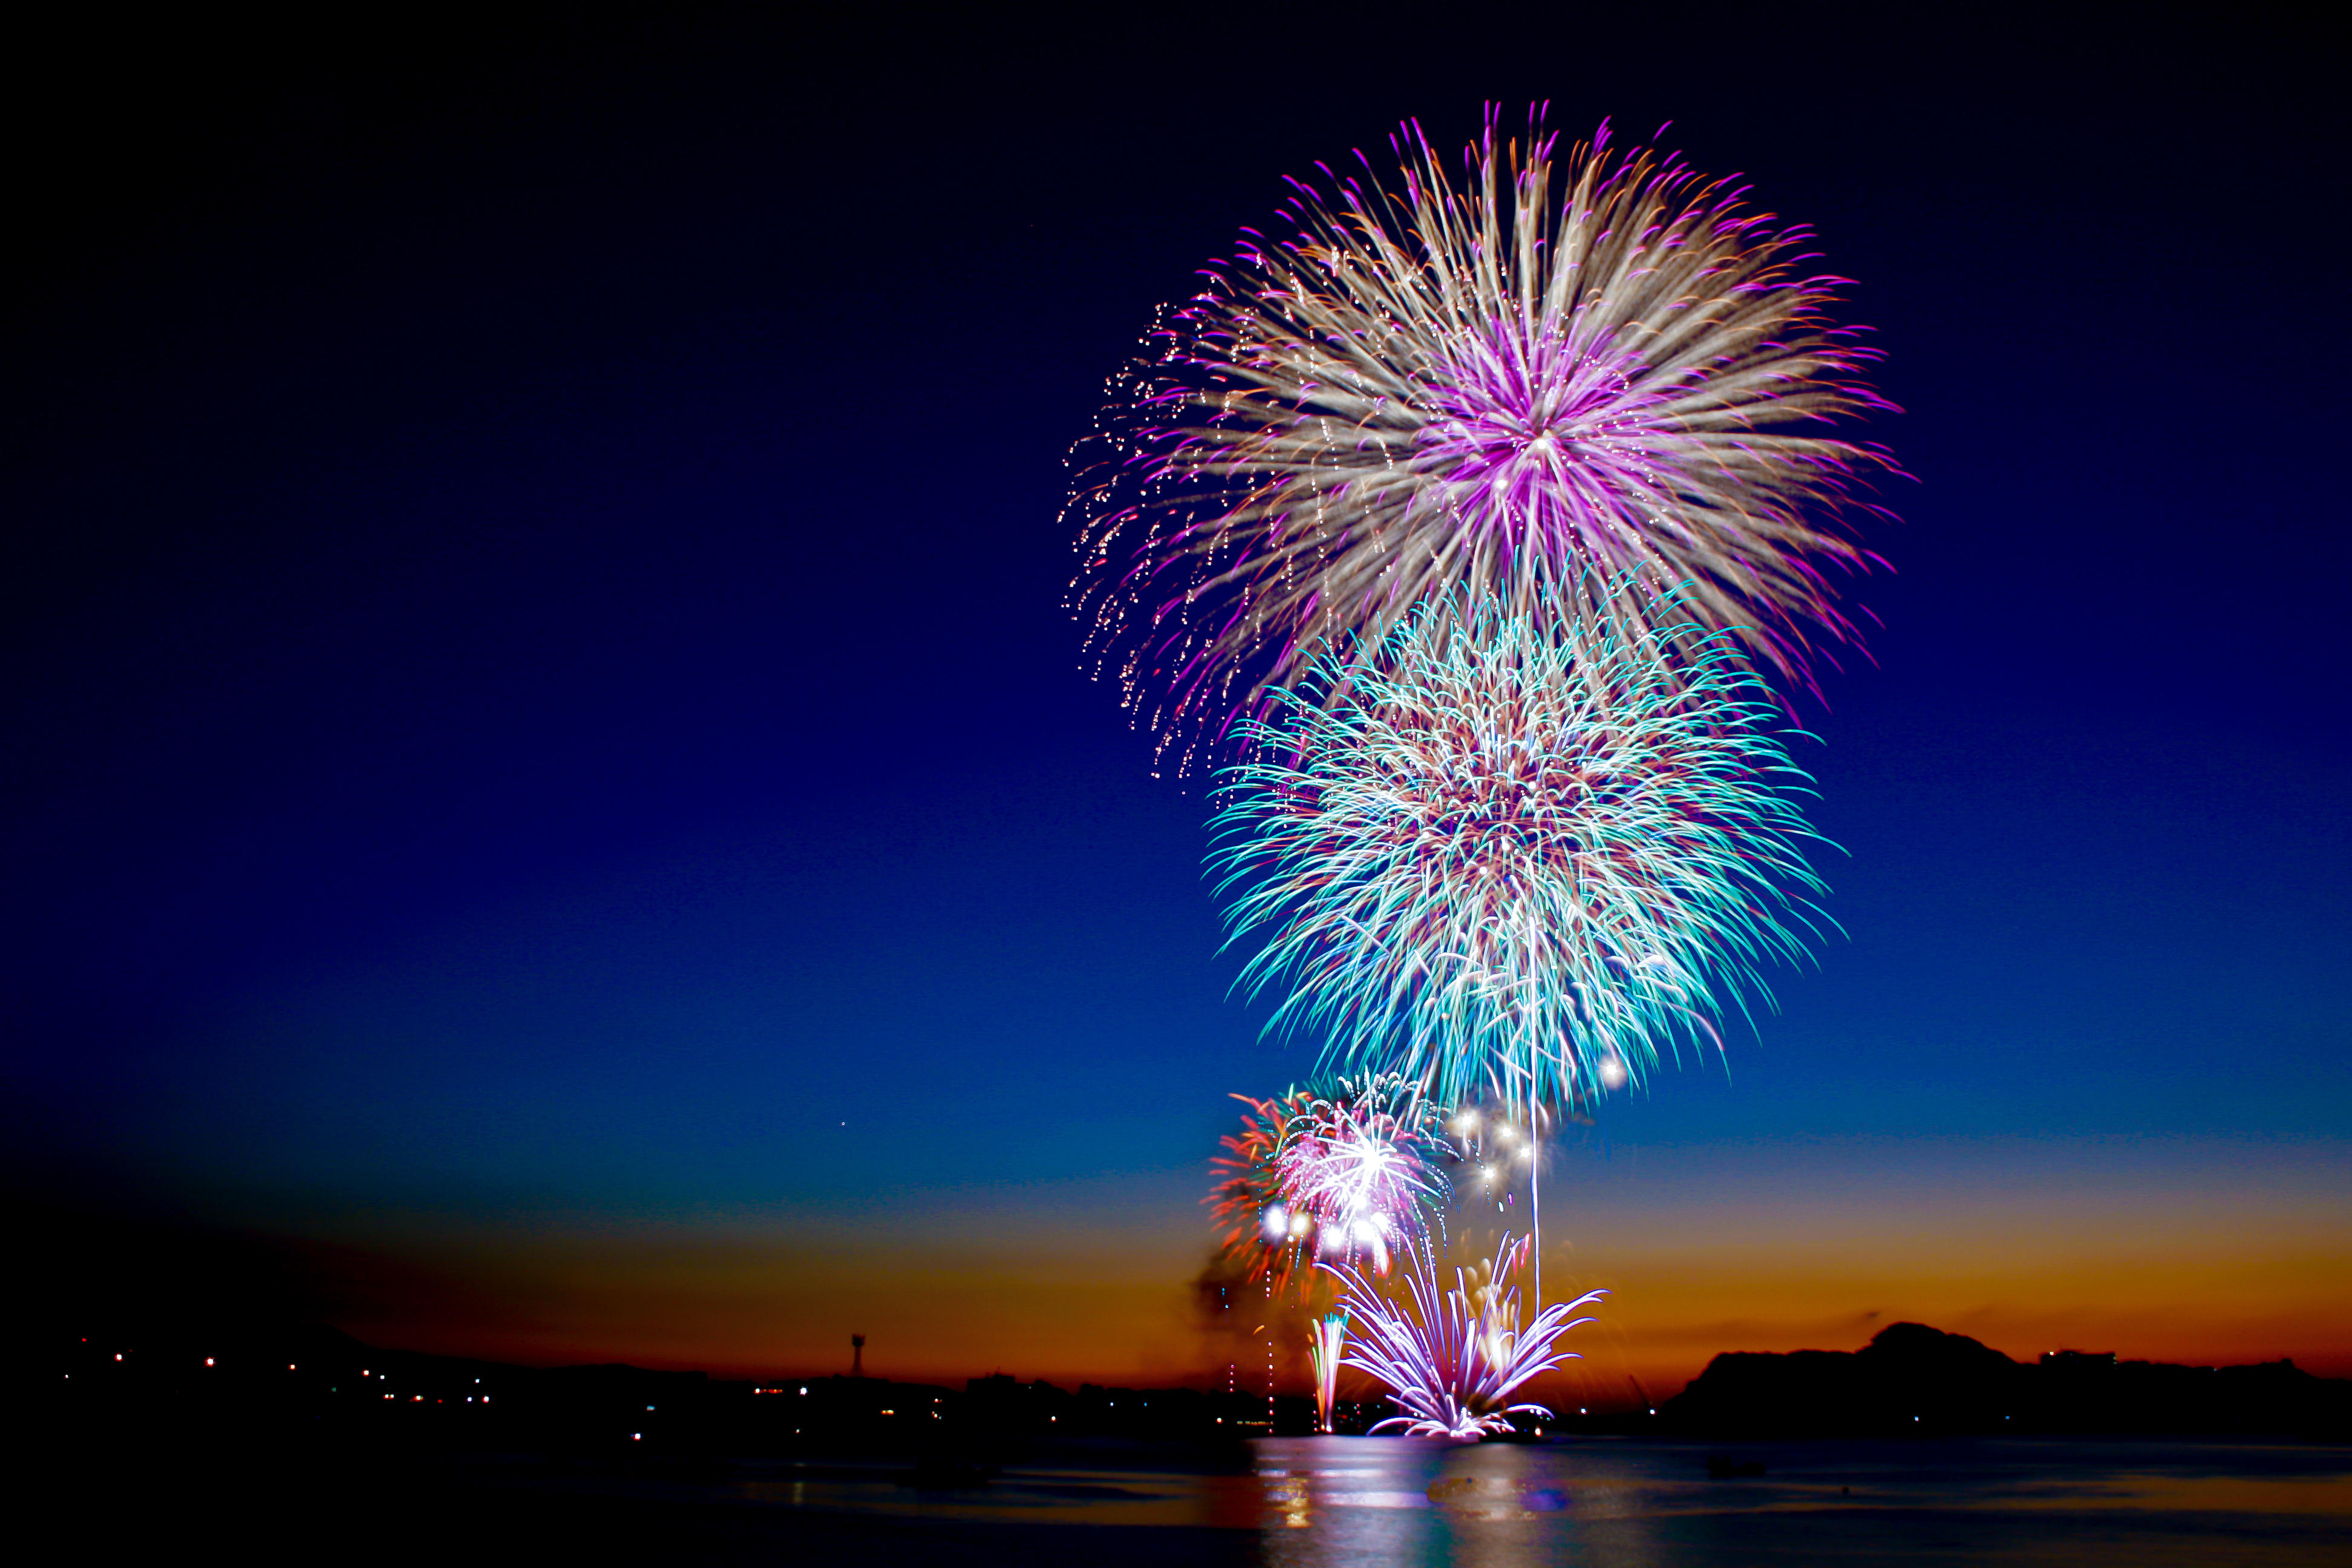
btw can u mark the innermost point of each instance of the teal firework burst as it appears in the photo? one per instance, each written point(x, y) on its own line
point(1516, 859)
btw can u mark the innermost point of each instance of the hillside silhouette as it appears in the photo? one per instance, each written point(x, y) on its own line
point(1914, 1379)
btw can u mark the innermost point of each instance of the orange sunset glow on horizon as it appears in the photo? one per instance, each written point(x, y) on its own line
point(2206, 1252)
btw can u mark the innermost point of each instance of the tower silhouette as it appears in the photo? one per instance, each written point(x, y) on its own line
point(857, 1356)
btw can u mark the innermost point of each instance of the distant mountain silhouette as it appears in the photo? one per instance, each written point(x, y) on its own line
point(1914, 1379)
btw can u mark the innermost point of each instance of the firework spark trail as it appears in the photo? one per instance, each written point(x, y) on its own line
point(1331, 1338)
point(1557, 376)
point(1504, 859)
point(1452, 1359)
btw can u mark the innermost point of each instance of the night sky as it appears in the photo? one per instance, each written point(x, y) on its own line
point(554, 811)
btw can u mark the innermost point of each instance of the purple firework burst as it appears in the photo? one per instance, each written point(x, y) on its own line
point(1560, 373)
point(1452, 1358)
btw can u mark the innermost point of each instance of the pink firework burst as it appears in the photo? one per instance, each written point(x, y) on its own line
point(1347, 1174)
point(1361, 1166)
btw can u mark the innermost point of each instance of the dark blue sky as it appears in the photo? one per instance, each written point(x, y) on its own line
point(536, 681)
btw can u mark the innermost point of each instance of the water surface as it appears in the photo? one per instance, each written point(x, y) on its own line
point(1325, 1502)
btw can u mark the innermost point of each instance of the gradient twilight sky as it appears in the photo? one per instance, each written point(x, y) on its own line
point(548, 782)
